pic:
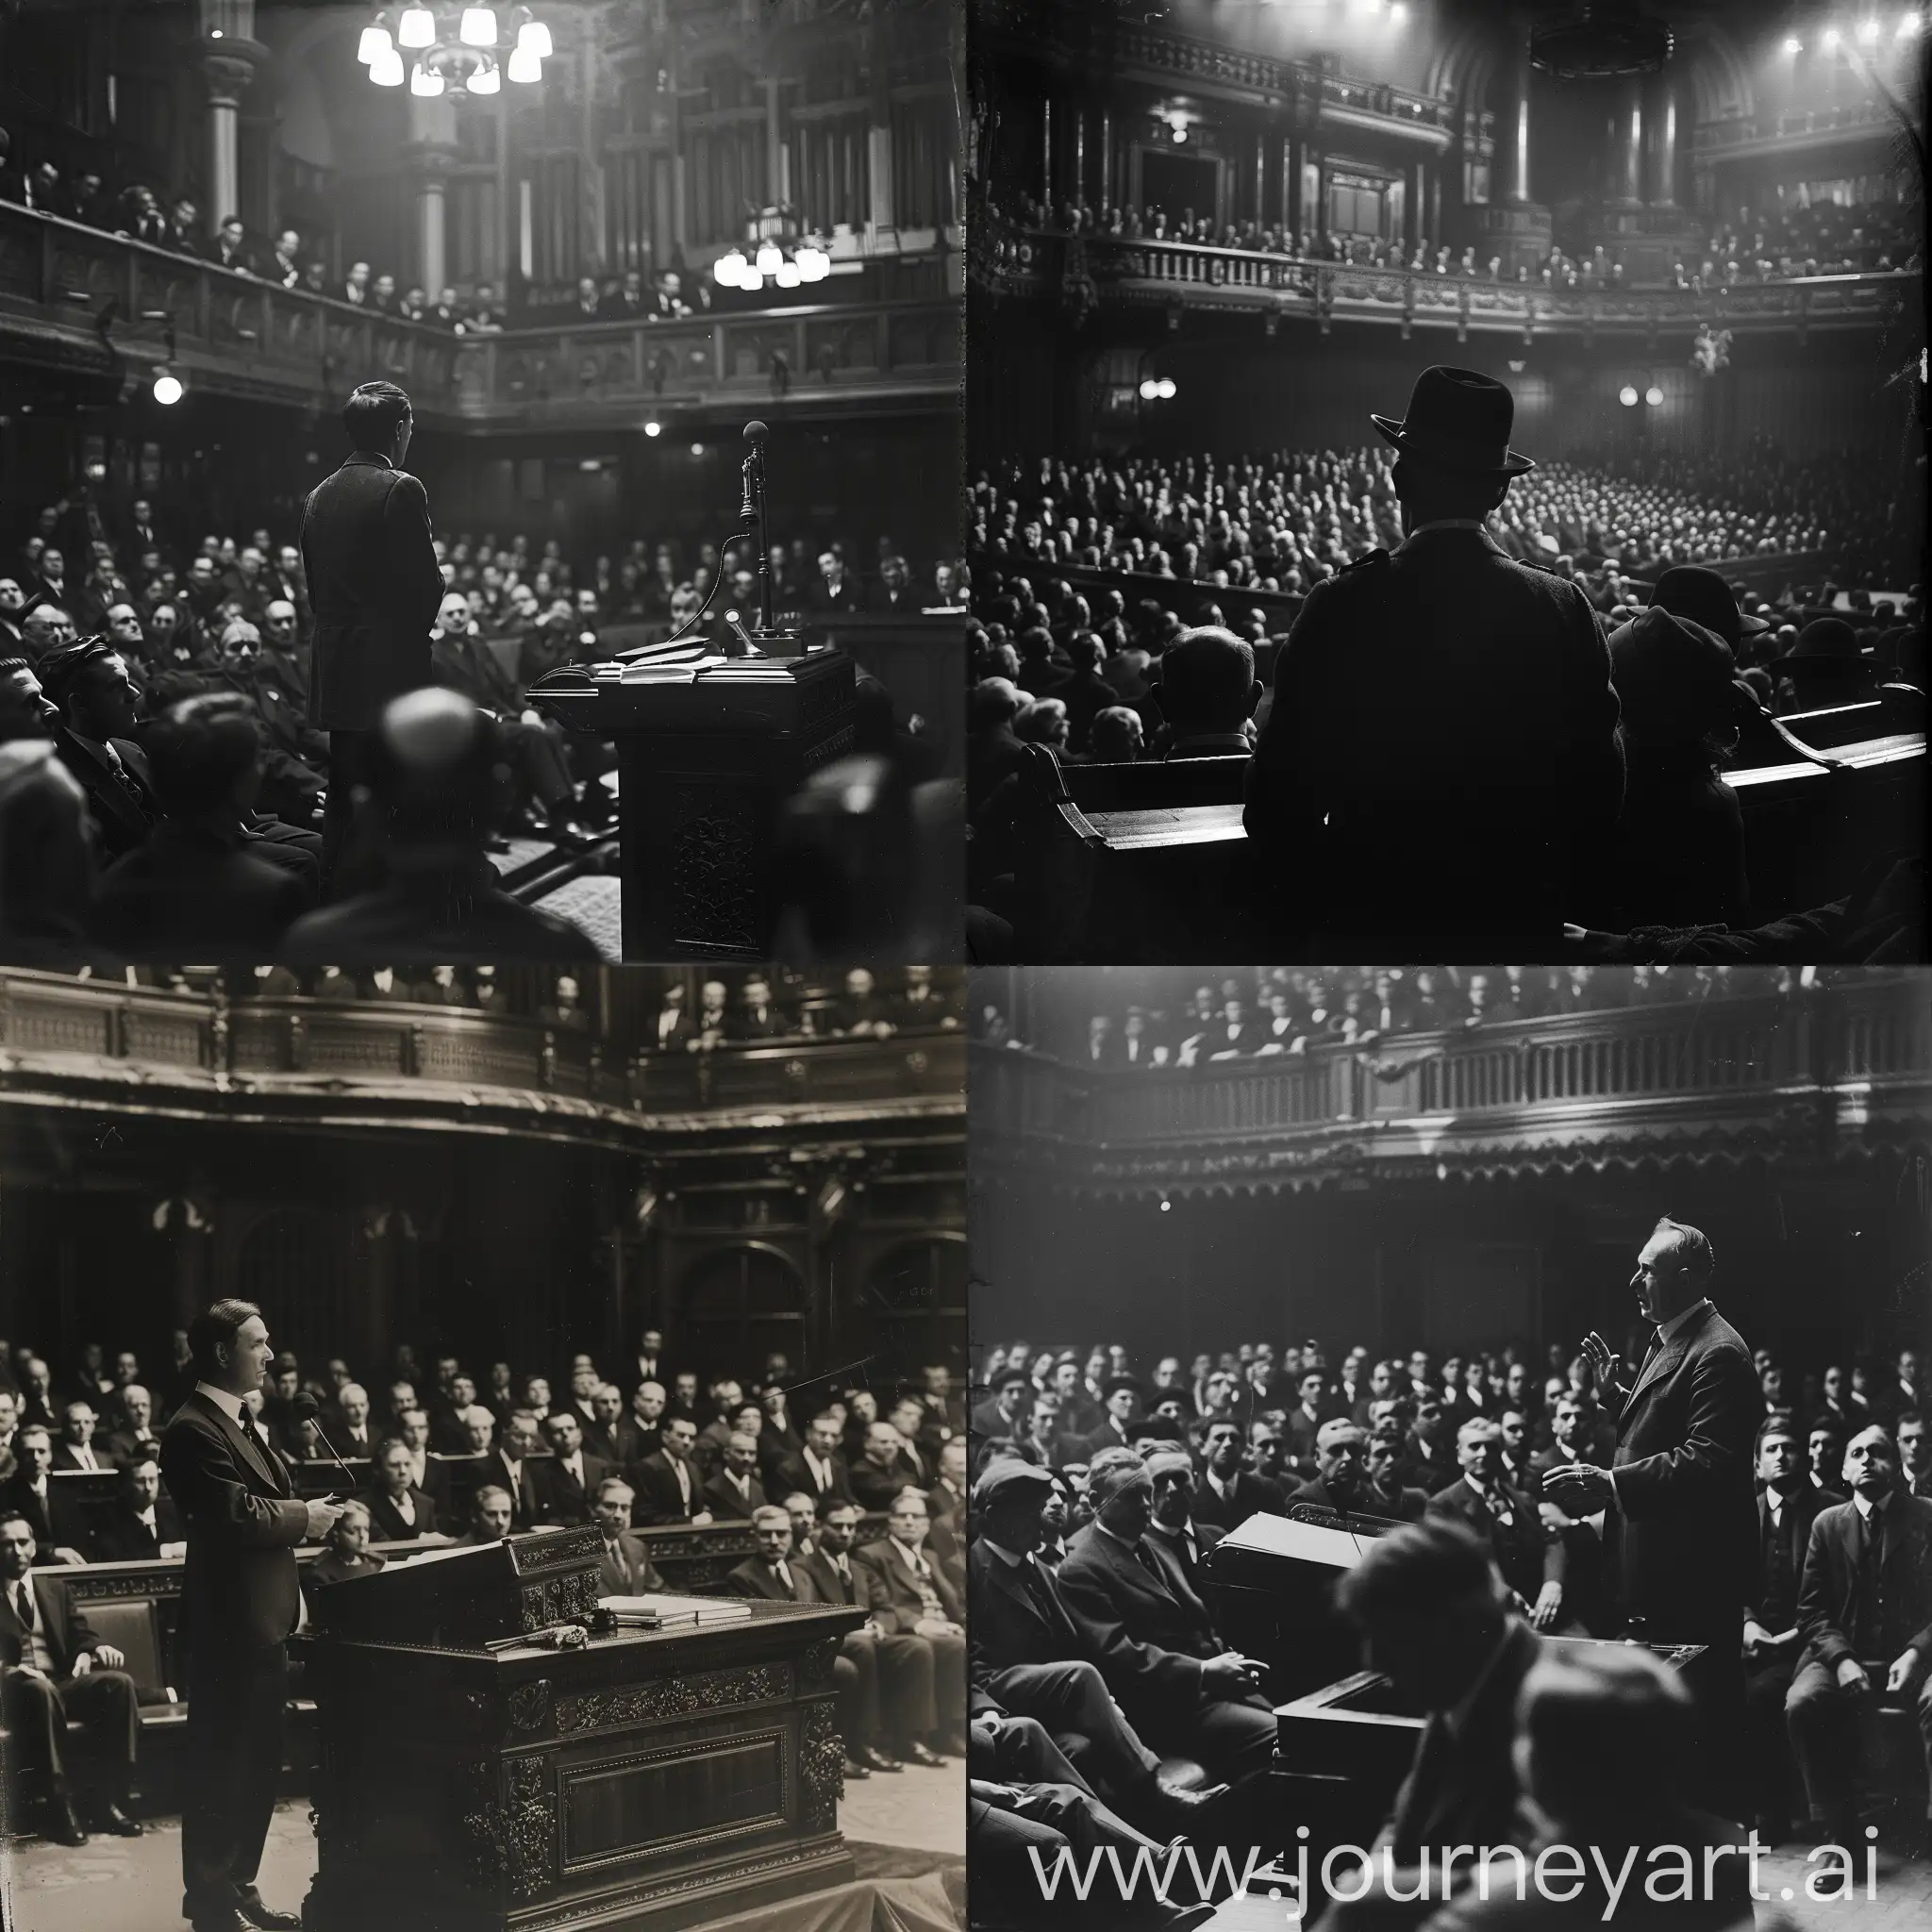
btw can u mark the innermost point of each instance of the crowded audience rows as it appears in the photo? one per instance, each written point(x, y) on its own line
point(1268, 1010)
point(1819, 239)
point(1100, 1496)
point(851, 1495)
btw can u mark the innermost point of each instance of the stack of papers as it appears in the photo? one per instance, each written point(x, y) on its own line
point(666, 1613)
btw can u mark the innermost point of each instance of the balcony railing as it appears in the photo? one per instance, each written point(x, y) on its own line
point(239, 335)
point(1799, 125)
point(1839, 1061)
point(1121, 271)
point(202, 1049)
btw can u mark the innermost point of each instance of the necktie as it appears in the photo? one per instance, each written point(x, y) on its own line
point(1149, 1562)
point(24, 1602)
point(257, 1440)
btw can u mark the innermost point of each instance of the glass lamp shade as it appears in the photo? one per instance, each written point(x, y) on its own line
point(1627, 396)
point(1653, 396)
point(770, 259)
point(534, 35)
point(373, 44)
point(167, 389)
point(422, 82)
point(751, 281)
point(478, 28)
point(728, 270)
point(1167, 388)
point(1149, 389)
point(386, 70)
point(814, 265)
point(487, 79)
point(524, 65)
point(788, 277)
point(417, 27)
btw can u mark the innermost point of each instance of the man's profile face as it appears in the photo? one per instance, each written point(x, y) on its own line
point(25, 710)
point(123, 625)
point(249, 1356)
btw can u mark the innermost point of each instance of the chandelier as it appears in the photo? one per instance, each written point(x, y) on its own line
point(778, 254)
point(454, 50)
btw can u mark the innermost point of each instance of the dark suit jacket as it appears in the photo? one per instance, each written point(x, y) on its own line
point(1801, 1510)
point(239, 1590)
point(1828, 1596)
point(795, 1477)
point(1684, 1532)
point(495, 1472)
point(559, 1496)
point(372, 577)
point(122, 1448)
point(722, 1499)
point(1004, 1625)
point(66, 1628)
point(1462, 1789)
point(189, 886)
point(59, 1523)
point(122, 1536)
point(873, 1486)
point(1525, 1556)
point(657, 1498)
point(1485, 686)
point(1149, 1644)
point(889, 1593)
point(753, 1577)
point(385, 1520)
point(643, 1575)
point(1251, 1493)
point(124, 814)
point(827, 1585)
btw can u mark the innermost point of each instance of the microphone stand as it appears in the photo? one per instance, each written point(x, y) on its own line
point(767, 638)
point(322, 1435)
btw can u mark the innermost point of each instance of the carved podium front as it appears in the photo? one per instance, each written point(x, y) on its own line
point(707, 750)
point(648, 1779)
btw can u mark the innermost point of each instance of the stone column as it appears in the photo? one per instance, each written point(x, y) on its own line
point(1106, 182)
point(227, 73)
point(1662, 186)
point(774, 148)
point(1628, 168)
point(1512, 122)
point(432, 148)
point(1046, 151)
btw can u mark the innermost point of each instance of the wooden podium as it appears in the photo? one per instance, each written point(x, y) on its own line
point(707, 750)
point(650, 1779)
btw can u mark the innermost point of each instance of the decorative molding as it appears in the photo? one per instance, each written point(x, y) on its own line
point(822, 1767)
point(693, 1694)
point(510, 1834)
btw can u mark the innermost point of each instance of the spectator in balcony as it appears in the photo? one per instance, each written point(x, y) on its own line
point(199, 878)
point(12, 609)
point(399, 1511)
point(141, 217)
point(893, 595)
point(836, 593)
point(626, 302)
point(184, 228)
point(587, 307)
point(232, 248)
point(283, 264)
point(315, 278)
point(667, 298)
point(382, 296)
point(482, 317)
point(414, 306)
point(356, 289)
point(448, 311)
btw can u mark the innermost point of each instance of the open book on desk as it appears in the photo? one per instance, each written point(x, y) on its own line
point(667, 1612)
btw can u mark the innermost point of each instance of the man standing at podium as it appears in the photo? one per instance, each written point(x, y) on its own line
point(376, 586)
point(240, 1598)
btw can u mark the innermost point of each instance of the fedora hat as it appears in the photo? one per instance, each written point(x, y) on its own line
point(1458, 419)
point(1689, 590)
point(1676, 679)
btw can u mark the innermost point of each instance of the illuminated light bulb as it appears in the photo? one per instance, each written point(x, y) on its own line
point(386, 70)
point(788, 276)
point(1180, 135)
point(1908, 25)
point(372, 46)
point(1868, 31)
point(770, 259)
point(1167, 388)
point(1829, 40)
point(1794, 44)
point(1627, 396)
point(479, 28)
point(1149, 389)
point(728, 270)
point(534, 35)
point(654, 429)
point(526, 65)
point(751, 281)
point(814, 265)
point(1398, 13)
point(487, 80)
point(1653, 396)
point(697, 449)
point(425, 83)
point(168, 391)
point(417, 27)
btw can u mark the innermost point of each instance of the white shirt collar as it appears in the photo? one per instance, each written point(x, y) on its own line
point(1866, 1507)
point(1666, 1329)
point(230, 1404)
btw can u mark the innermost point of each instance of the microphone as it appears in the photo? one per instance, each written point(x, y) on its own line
point(304, 1408)
point(755, 434)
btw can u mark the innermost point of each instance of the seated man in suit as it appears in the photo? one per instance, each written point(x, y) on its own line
point(135, 1438)
point(1530, 1557)
point(1183, 1690)
point(1436, 1617)
point(54, 1669)
point(1865, 1607)
point(1787, 1505)
point(491, 1515)
point(355, 1434)
point(347, 1552)
point(1227, 1494)
point(668, 1485)
point(50, 1511)
point(76, 1449)
point(1025, 1653)
point(1337, 1449)
point(88, 680)
point(399, 1512)
point(818, 1469)
point(735, 1491)
point(508, 1466)
point(566, 1483)
point(429, 1474)
point(906, 1591)
point(610, 1433)
point(902, 1659)
point(878, 1475)
point(1382, 1492)
point(627, 1568)
point(775, 1574)
point(1173, 1536)
point(143, 1524)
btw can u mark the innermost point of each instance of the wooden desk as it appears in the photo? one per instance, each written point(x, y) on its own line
point(654, 1779)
